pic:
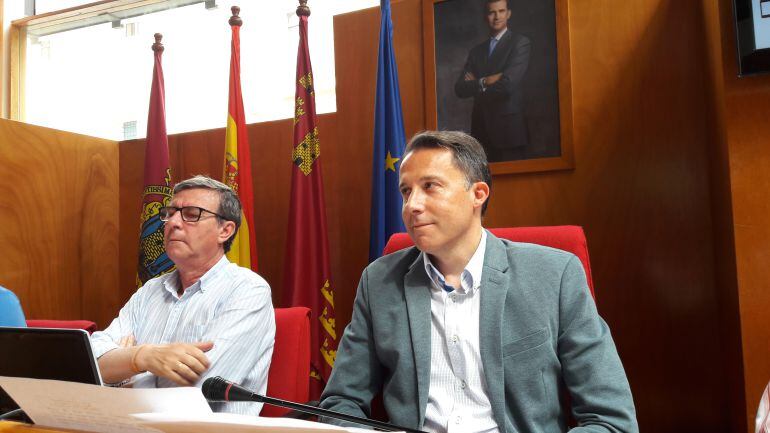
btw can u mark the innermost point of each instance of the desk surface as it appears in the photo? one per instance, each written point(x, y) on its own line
point(15, 427)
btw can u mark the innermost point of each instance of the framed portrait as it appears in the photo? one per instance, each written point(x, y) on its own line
point(500, 71)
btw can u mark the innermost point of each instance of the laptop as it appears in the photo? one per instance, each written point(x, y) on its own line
point(45, 353)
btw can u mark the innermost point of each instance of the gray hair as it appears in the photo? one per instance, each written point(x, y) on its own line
point(467, 154)
point(229, 204)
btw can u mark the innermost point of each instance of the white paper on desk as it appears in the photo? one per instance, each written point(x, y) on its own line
point(78, 406)
point(231, 423)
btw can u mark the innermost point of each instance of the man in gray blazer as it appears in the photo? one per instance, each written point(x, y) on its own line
point(470, 333)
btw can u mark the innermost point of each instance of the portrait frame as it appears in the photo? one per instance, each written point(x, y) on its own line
point(565, 159)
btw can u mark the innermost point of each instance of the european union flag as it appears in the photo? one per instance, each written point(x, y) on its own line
point(389, 143)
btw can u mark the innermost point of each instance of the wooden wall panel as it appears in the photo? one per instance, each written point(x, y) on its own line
point(741, 414)
point(59, 222)
point(670, 160)
point(641, 187)
point(744, 108)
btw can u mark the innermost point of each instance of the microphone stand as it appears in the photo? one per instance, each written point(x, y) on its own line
point(330, 413)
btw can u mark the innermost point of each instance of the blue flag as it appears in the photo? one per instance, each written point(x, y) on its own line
point(389, 143)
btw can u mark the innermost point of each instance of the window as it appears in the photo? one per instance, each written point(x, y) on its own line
point(93, 75)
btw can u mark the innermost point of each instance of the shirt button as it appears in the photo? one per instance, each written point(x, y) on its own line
point(462, 385)
point(455, 339)
point(454, 297)
point(458, 420)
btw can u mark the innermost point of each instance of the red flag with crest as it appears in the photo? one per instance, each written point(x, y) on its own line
point(153, 260)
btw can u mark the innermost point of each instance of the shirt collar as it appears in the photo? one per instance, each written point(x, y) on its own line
point(171, 284)
point(500, 35)
point(208, 279)
point(471, 276)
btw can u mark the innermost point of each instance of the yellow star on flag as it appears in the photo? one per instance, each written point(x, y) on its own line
point(390, 162)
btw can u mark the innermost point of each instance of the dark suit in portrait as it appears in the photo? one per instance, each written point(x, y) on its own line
point(498, 119)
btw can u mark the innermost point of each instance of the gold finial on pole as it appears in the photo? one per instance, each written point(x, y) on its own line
point(235, 20)
point(157, 46)
point(303, 9)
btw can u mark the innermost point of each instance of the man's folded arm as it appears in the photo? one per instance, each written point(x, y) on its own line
point(116, 367)
point(513, 72)
point(356, 377)
point(593, 373)
point(465, 87)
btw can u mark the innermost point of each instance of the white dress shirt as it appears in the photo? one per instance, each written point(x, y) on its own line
point(229, 305)
point(457, 398)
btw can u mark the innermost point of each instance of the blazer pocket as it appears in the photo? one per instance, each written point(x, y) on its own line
point(532, 340)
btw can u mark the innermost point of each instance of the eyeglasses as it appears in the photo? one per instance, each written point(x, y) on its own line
point(189, 214)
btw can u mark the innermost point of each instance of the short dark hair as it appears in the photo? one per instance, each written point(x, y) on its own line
point(229, 204)
point(467, 154)
point(486, 2)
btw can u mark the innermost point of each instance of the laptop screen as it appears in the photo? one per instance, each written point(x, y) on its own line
point(43, 353)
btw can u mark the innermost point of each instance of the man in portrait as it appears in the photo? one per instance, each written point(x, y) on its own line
point(492, 76)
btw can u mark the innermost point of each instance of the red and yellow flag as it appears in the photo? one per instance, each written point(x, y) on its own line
point(153, 260)
point(308, 279)
point(237, 172)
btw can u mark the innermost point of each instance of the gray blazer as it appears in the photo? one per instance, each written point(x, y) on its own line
point(539, 333)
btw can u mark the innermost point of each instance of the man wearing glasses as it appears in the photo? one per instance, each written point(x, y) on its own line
point(209, 317)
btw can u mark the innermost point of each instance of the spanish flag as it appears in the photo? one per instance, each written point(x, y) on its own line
point(308, 282)
point(237, 172)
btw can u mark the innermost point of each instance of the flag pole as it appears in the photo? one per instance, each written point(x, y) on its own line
point(158, 46)
point(235, 20)
point(303, 10)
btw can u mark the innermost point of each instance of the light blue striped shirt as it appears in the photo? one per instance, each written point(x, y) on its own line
point(229, 305)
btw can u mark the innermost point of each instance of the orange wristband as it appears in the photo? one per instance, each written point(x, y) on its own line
point(134, 368)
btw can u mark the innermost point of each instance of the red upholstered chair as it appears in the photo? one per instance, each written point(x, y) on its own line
point(289, 375)
point(567, 238)
point(65, 324)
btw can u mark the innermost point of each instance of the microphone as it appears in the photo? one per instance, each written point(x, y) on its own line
point(217, 389)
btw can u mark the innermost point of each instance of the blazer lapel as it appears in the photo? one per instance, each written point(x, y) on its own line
point(493, 293)
point(417, 295)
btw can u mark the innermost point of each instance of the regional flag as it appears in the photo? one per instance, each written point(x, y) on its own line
point(153, 260)
point(389, 143)
point(237, 171)
point(307, 274)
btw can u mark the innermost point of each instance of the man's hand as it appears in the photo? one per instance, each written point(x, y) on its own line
point(469, 76)
point(182, 363)
point(492, 79)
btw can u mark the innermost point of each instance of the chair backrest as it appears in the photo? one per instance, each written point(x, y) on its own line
point(567, 238)
point(289, 375)
point(63, 324)
point(11, 313)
